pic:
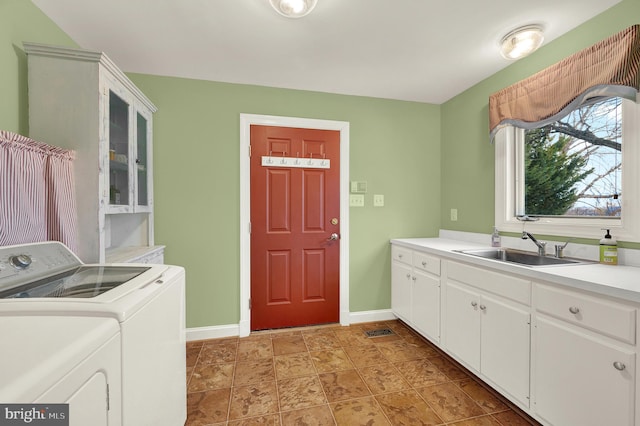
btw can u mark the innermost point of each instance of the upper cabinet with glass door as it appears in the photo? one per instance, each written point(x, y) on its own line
point(129, 147)
point(79, 99)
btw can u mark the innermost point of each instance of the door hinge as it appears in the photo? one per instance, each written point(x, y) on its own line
point(249, 227)
point(108, 404)
point(249, 304)
point(249, 151)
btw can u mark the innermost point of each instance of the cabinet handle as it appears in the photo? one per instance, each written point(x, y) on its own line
point(414, 278)
point(574, 309)
point(474, 304)
point(424, 263)
point(408, 276)
point(399, 256)
point(483, 308)
point(619, 366)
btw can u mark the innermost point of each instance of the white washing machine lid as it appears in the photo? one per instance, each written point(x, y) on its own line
point(46, 278)
point(81, 282)
point(37, 351)
point(120, 302)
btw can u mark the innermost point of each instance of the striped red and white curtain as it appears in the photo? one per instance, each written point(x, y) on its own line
point(37, 192)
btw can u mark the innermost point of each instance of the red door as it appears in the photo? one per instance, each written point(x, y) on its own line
point(295, 212)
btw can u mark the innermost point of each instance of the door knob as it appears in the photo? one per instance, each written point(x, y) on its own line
point(333, 237)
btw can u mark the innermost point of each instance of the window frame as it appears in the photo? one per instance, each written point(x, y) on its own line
point(509, 177)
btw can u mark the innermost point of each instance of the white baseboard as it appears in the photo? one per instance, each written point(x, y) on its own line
point(212, 332)
point(233, 330)
point(371, 316)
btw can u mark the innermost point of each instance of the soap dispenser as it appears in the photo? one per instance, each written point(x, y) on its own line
point(608, 250)
point(495, 238)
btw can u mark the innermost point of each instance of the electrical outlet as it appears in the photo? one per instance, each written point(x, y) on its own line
point(378, 200)
point(356, 200)
point(454, 215)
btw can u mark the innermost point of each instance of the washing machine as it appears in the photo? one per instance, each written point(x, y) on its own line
point(63, 359)
point(115, 335)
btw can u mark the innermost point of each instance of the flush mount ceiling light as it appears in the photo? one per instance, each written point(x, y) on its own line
point(521, 42)
point(293, 8)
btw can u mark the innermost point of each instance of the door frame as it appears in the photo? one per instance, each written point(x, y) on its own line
point(246, 121)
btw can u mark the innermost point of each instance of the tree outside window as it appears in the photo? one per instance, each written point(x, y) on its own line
point(573, 167)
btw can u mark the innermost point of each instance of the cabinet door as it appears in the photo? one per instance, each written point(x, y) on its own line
point(505, 346)
point(401, 286)
point(462, 324)
point(142, 154)
point(575, 379)
point(426, 304)
point(119, 137)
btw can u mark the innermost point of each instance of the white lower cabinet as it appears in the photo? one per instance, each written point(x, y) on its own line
point(401, 290)
point(581, 376)
point(462, 324)
point(491, 335)
point(415, 290)
point(566, 356)
point(426, 304)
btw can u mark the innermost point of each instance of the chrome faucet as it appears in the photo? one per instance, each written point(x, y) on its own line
point(542, 245)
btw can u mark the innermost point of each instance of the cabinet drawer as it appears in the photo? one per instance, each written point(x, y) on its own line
point(606, 317)
point(507, 286)
point(426, 263)
point(401, 254)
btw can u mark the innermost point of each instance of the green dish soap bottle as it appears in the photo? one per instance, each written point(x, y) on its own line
point(608, 250)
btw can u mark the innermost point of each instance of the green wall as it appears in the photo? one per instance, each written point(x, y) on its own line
point(468, 156)
point(394, 146)
point(21, 21)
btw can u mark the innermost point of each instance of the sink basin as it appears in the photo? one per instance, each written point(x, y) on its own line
point(521, 257)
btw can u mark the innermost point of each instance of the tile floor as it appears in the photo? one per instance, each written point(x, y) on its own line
point(333, 375)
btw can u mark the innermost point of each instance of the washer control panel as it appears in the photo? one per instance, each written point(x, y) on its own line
point(24, 263)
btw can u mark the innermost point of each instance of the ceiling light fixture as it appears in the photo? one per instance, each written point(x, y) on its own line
point(521, 42)
point(293, 8)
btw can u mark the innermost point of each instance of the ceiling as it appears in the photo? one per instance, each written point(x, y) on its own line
point(415, 50)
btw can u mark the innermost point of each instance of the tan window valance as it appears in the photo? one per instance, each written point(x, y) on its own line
point(608, 68)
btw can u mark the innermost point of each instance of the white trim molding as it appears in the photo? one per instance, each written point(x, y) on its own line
point(233, 330)
point(212, 332)
point(371, 316)
point(509, 177)
point(246, 121)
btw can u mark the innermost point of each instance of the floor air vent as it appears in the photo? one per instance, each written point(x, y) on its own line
point(378, 333)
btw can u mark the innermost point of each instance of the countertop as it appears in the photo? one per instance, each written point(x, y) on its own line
point(130, 254)
point(619, 281)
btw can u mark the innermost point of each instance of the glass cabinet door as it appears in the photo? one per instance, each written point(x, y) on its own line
point(142, 163)
point(118, 150)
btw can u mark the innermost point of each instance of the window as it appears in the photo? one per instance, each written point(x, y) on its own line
point(573, 167)
point(573, 175)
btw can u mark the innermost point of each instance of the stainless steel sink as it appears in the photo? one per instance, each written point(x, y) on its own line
point(521, 257)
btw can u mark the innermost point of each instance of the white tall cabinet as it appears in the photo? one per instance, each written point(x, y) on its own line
point(80, 100)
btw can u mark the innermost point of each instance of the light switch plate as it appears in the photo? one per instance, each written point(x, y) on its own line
point(454, 215)
point(359, 187)
point(356, 200)
point(378, 200)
